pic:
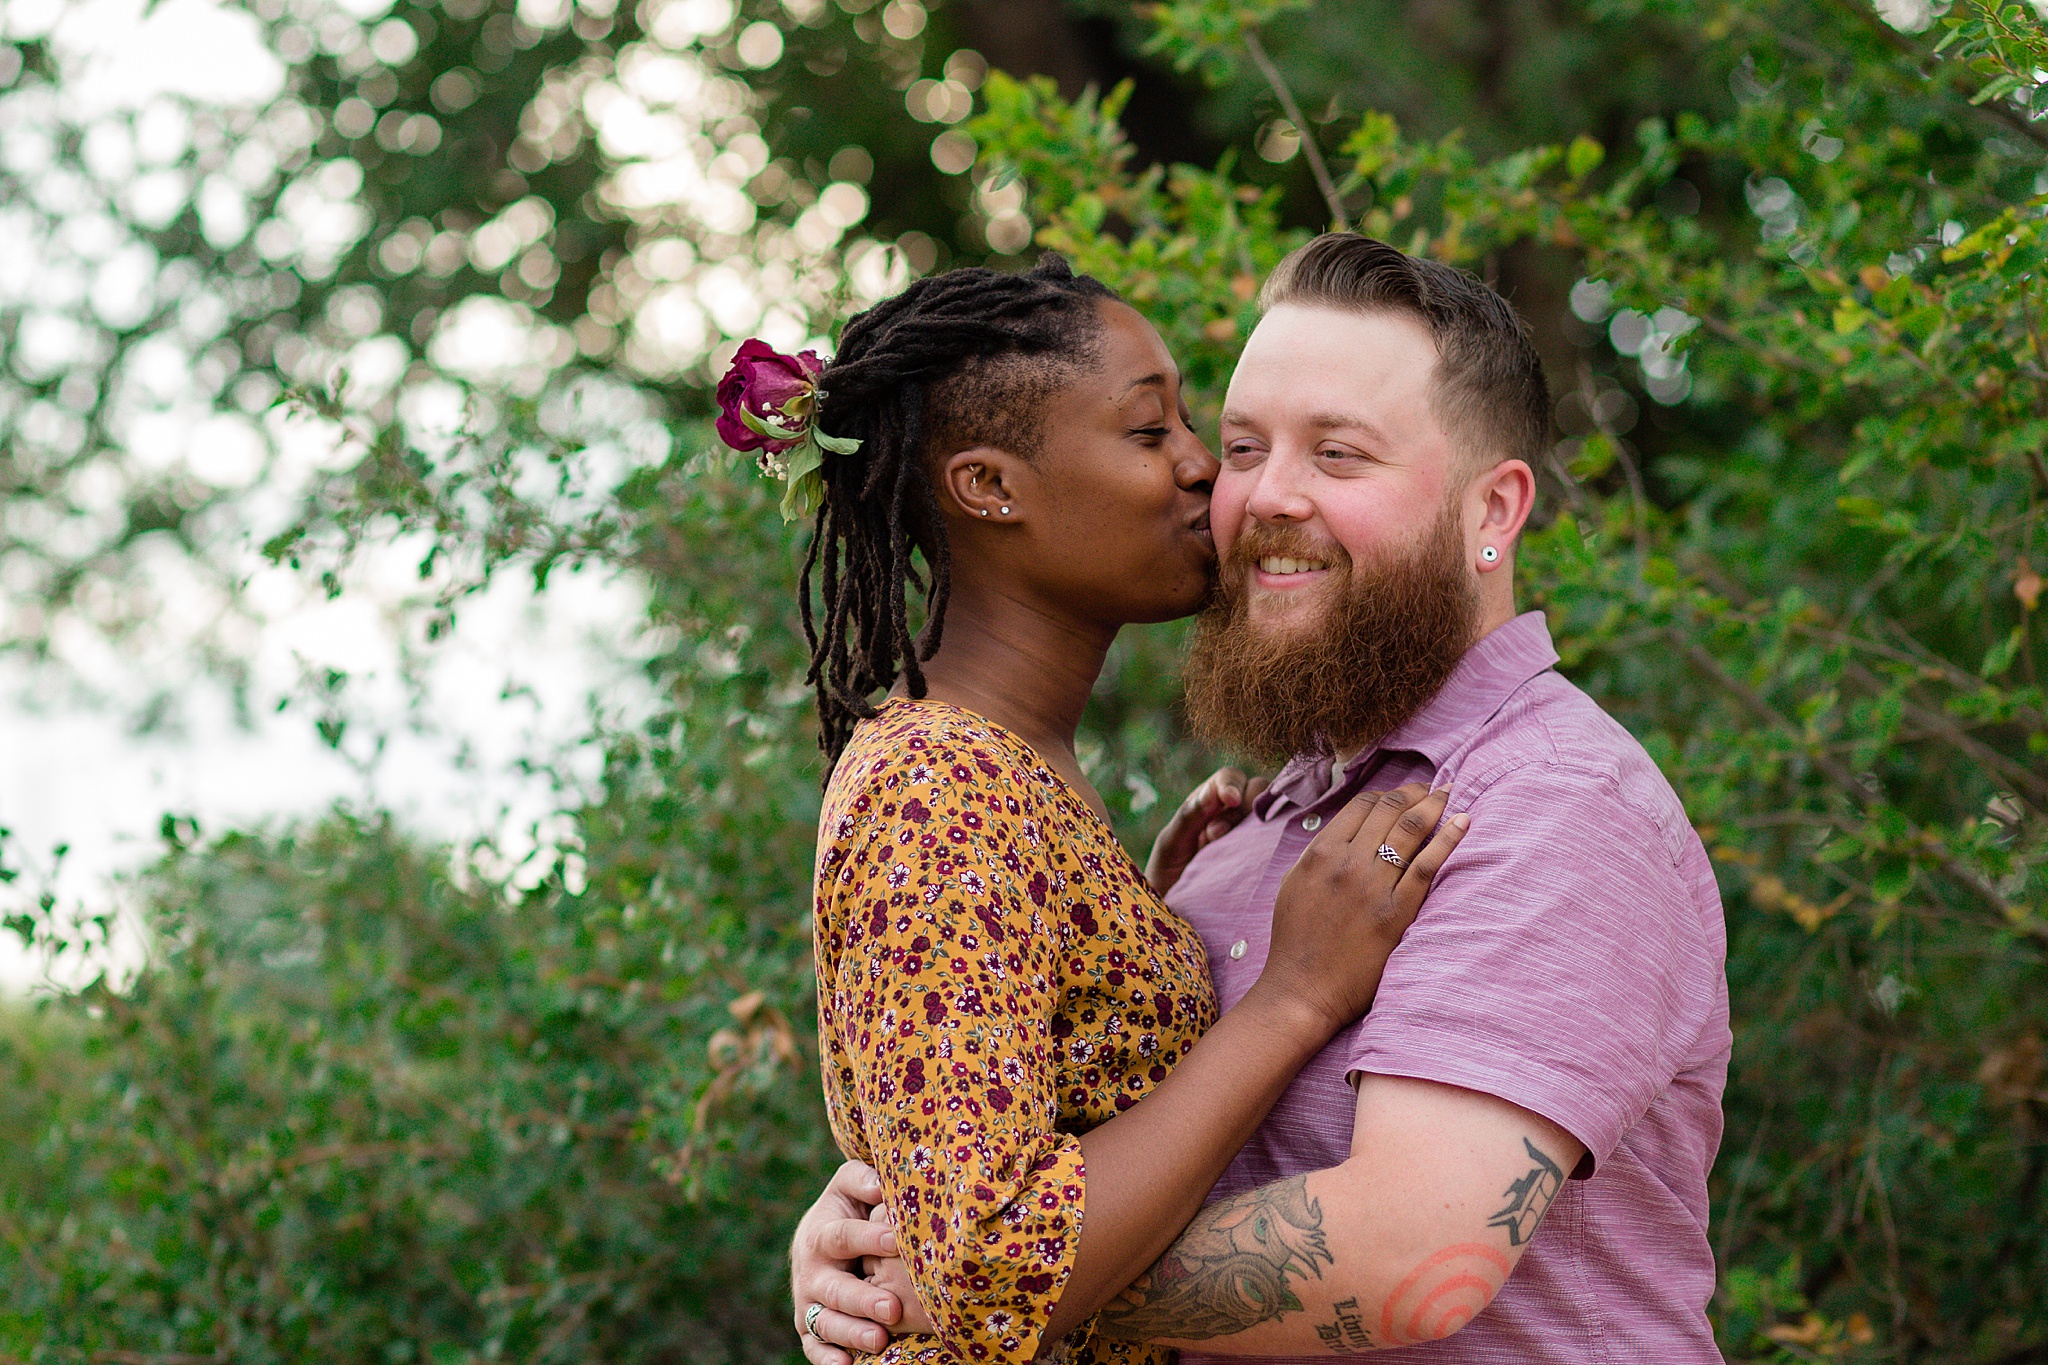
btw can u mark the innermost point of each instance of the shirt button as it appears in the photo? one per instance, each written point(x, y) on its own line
point(1311, 823)
point(1237, 950)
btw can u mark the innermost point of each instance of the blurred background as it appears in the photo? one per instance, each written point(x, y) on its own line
point(407, 781)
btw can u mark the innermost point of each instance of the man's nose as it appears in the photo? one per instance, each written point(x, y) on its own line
point(1279, 493)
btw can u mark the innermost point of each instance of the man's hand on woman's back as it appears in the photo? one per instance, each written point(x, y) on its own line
point(824, 1268)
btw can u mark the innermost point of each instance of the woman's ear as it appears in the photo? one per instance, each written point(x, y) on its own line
point(982, 483)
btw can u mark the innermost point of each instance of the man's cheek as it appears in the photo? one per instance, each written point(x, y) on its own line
point(1227, 499)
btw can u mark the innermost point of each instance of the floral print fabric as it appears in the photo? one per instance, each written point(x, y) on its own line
point(994, 979)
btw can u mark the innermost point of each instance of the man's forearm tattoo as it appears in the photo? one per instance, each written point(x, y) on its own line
point(1346, 1336)
point(1229, 1270)
point(1233, 1268)
point(1528, 1197)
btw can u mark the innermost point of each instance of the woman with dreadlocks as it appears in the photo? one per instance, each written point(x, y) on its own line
point(1016, 1032)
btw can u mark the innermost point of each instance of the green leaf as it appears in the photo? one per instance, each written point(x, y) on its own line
point(1583, 156)
point(1596, 456)
point(2002, 86)
point(2000, 656)
point(806, 492)
point(761, 426)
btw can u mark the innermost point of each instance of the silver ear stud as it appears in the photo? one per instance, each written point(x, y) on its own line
point(1006, 511)
point(1489, 554)
point(984, 511)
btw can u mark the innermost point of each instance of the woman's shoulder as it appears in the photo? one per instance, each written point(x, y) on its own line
point(917, 760)
point(933, 742)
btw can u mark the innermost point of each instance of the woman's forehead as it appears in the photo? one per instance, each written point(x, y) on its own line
point(1133, 356)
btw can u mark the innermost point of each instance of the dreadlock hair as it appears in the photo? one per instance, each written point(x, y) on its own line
point(957, 360)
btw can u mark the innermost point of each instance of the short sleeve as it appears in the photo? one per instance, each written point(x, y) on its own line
point(944, 1000)
point(1560, 961)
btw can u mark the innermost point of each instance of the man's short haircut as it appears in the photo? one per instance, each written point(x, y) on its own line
point(1490, 391)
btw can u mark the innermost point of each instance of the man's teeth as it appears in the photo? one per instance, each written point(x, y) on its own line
point(1279, 564)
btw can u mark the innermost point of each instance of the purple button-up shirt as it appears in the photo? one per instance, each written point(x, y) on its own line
point(1570, 959)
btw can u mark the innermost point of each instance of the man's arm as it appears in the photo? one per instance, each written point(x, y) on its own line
point(1406, 1241)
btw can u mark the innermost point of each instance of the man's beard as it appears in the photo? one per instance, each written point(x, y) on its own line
point(1386, 641)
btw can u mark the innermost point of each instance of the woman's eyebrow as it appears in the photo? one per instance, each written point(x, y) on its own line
point(1156, 377)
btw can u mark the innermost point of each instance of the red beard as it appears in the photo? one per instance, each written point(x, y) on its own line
point(1387, 640)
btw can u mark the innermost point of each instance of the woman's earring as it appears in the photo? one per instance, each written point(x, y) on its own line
point(984, 511)
point(1006, 511)
point(1489, 554)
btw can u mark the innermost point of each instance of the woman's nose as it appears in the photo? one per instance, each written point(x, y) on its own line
point(1196, 468)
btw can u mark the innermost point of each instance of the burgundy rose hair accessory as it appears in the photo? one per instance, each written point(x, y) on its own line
point(768, 405)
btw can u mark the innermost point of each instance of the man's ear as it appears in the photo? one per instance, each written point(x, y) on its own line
point(984, 483)
point(1505, 495)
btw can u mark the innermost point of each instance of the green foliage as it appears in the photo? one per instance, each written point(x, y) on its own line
point(379, 1102)
point(1210, 34)
point(382, 1102)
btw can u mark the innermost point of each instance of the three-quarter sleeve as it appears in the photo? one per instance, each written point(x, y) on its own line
point(944, 1000)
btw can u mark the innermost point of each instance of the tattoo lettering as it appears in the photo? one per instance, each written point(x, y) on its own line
point(1347, 1335)
point(1528, 1198)
point(1229, 1270)
point(1442, 1294)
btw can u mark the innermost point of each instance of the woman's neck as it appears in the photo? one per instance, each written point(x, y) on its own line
point(1024, 668)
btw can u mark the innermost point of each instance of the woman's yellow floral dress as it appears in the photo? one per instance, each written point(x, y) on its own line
point(994, 978)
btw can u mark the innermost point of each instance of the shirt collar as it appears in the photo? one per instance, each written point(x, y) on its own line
point(1491, 672)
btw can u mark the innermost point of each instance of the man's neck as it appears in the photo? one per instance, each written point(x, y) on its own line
point(1492, 616)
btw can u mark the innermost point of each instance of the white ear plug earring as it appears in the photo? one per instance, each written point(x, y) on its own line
point(1489, 554)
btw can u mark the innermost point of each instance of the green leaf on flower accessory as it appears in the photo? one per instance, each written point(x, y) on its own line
point(761, 426)
point(806, 490)
point(838, 445)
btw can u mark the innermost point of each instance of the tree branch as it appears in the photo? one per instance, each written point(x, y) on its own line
point(1996, 111)
point(1339, 221)
point(1846, 782)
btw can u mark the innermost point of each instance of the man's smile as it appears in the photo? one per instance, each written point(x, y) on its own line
point(1284, 572)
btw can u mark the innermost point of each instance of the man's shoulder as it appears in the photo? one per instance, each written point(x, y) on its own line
point(1551, 740)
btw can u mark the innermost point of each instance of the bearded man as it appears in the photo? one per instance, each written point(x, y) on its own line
point(1507, 1158)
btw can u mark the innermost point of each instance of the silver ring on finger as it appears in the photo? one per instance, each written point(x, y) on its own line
point(811, 1318)
point(1388, 855)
